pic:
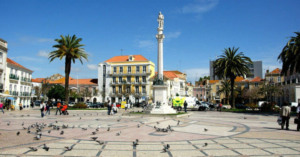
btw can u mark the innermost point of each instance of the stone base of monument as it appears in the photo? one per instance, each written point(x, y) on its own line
point(160, 100)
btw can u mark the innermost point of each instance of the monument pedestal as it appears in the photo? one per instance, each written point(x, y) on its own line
point(160, 98)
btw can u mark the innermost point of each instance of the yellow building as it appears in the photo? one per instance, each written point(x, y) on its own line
point(125, 78)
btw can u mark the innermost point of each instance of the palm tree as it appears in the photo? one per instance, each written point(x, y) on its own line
point(225, 88)
point(230, 65)
point(69, 48)
point(290, 56)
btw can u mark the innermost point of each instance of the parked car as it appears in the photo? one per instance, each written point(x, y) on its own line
point(89, 104)
point(202, 106)
point(226, 107)
point(37, 103)
point(241, 106)
point(71, 104)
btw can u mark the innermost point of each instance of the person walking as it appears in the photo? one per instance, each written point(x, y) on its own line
point(285, 115)
point(58, 105)
point(31, 104)
point(42, 108)
point(298, 115)
point(20, 106)
point(108, 107)
point(1, 106)
point(220, 107)
point(185, 106)
point(48, 108)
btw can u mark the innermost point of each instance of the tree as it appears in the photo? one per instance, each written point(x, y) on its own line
point(204, 78)
point(45, 87)
point(56, 92)
point(225, 88)
point(252, 94)
point(69, 48)
point(290, 56)
point(230, 65)
point(37, 91)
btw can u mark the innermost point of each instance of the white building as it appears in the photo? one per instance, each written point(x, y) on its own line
point(18, 83)
point(3, 56)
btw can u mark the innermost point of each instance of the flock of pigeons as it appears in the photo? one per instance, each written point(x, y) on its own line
point(37, 129)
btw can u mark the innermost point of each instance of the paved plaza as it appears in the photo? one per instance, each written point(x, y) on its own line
point(198, 134)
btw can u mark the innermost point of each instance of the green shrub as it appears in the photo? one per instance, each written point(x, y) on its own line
point(268, 106)
point(252, 106)
point(80, 105)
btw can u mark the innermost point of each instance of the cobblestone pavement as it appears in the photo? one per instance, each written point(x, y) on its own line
point(228, 134)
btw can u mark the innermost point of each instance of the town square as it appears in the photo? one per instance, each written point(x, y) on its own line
point(150, 78)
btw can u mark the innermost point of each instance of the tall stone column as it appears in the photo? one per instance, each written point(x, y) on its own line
point(160, 49)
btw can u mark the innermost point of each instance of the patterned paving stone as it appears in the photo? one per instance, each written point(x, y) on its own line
point(81, 153)
point(152, 154)
point(111, 153)
point(187, 153)
point(240, 145)
point(220, 152)
point(252, 152)
point(282, 151)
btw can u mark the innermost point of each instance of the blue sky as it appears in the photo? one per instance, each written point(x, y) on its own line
point(196, 31)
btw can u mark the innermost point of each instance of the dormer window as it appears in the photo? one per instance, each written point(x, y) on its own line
point(131, 58)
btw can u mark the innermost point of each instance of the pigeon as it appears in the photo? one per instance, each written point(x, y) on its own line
point(28, 131)
point(73, 127)
point(245, 117)
point(205, 129)
point(97, 129)
point(28, 115)
point(45, 147)
point(84, 128)
point(118, 133)
point(138, 125)
point(135, 143)
point(62, 132)
point(49, 131)
point(38, 137)
point(69, 148)
point(23, 124)
point(108, 128)
point(119, 120)
point(157, 122)
point(166, 147)
point(99, 142)
point(33, 149)
point(8, 123)
point(24, 128)
point(94, 133)
point(178, 122)
point(55, 121)
point(205, 144)
point(18, 133)
point(79, 117)
point(94, 138)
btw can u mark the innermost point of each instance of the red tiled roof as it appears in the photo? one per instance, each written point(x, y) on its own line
point(276, 71)
point(213, 81)
point(125, 58)
point(256, 79)
point(171, 74)
point(8, 60)
point(38, 80)
point(76, 81)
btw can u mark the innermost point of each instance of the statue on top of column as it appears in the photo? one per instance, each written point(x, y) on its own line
point(160, 21)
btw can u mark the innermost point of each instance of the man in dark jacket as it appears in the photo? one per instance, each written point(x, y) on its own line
point(185, 106)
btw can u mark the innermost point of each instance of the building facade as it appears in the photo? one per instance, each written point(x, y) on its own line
point(125, 78)
point(18, 83)
point(3, 56)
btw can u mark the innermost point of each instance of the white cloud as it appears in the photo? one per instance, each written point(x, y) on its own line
point(92, 66)
point(146, 43)
point(199, 6)
point(195, 73)
point(173, 35)
point(43, 53)
point(25, 58)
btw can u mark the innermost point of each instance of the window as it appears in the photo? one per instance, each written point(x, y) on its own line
point(1, 57)
point(136, 89)
point(128, 79)
point(129, 69)
point(21, 88)
point(22, 74)
point(136, 79)
point(121, 69)
point(15, 87)
point(120, 89)
point(10, 87)
point(128, 89)
point(104, 70)
point(246, 85)
point(144, 78)
point(114, 89)
point(256, 84)
point(11, 71)
point(279, 79)
point(144, 69)
point(16, 72)
point(120, 79)
point(137, 69)
point(144, 89)
point(115, 69)
point(181, 85)
point(114, 79)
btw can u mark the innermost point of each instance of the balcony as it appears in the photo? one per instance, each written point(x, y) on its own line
point(141, 73)
point(13, 77)
point(24, 79)
point(24, 94)
point(14, 93)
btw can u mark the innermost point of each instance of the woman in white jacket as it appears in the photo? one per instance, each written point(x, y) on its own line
point(42, 108)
